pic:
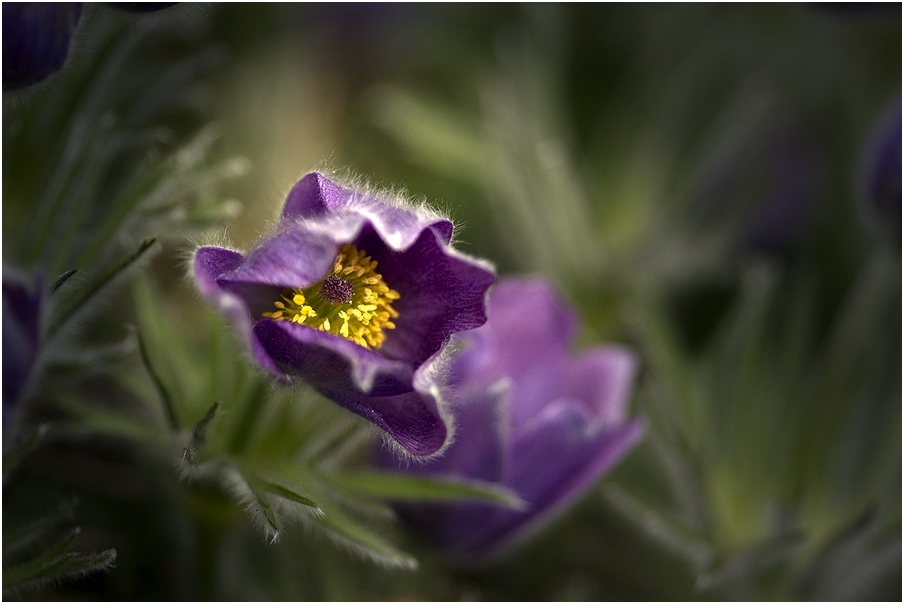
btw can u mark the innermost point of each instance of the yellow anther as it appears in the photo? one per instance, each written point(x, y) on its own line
point(355, 302)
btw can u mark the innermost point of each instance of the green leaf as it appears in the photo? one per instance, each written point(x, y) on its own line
point(146, 176)
point(753, 573)
point(261, 505)
point(20, 449)
point(412, 487)
point(863, 336)
point(47, 569)
point(668, 533)
point(75, 564)
point(18, 540)
point(94, 289)
point(328, 515)
point(249, 415)
point(169, 355)
point(266, 483)
point(199, 435)
point(59, 281)
point(856, 562)
point(358, 538)
point(284, 492)
point(199, 431)
point(43, 563)
point(158, 383)
point(432, 134)
point(94, 418)
point(671, 367)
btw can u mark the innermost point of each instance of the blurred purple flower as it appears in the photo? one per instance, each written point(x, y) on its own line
point(532, 417)
point(882, 173)
point(357, 294)
point(21, 335)
point(780, 223)
point(36, 39)
point(37, 36)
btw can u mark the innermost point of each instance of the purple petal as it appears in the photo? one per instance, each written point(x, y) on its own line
point(482, 423)
point(326, 360)
point(583, 458)
point(294, 258)
point(539, 421)
point(560, 453)
point(482, 530)
point(209, 266)
point(384, 391)
point(530, 328)
point(883, 172)
point(440, 293)
point(36, 38)
point(316, 196)
point(526, 340)
point(22, 304)
point(210, 263)
point(602, 379)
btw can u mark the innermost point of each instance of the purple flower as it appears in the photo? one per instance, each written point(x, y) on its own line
point(22, 304)
point(358, 295)
point(532, 417)
point(882, 173)
point(780, 223)
point(36, 39)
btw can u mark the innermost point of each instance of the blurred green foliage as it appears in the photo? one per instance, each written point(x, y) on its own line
point(686, 174)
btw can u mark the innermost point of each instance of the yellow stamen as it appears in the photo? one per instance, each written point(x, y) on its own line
point(352, 301)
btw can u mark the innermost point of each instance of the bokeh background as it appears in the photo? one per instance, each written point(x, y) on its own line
point(716, 186)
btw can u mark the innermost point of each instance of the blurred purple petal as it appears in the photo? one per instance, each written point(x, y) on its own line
point(36, 38)
point(781, 221)
point(22, 303)
point(540, 421)
point(883, 173)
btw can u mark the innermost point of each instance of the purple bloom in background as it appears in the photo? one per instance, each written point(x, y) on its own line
point(882, 173)
point(21, 335)
point(36, 39)
point(37, 36)
point(358, 295)
point(780, 223)
point(532, 417)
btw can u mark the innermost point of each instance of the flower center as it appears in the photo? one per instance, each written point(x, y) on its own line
point(337, 290)
point(352, 301)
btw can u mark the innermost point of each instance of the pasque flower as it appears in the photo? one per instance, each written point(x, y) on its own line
point(531, 416)
point(357, 294)
point(882, 173)
point(36, 38)
point(22, 306)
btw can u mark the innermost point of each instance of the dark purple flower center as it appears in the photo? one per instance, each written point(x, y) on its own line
point(337, 290)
